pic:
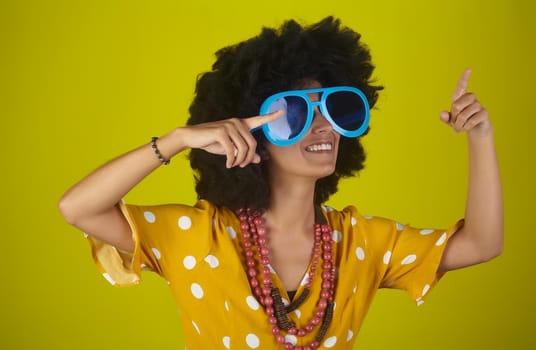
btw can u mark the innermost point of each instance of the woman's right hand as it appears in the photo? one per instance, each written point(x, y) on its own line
point(229, 137)
point(91, 204)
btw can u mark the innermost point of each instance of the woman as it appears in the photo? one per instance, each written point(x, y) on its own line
point(258, 261)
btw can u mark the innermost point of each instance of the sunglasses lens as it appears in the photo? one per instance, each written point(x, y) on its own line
point(293, 122)
point(347, 109)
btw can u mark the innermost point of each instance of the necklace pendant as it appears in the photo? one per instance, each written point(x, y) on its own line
point(280, 312)
point(296, 303)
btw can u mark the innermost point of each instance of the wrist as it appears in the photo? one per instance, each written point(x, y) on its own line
point(171, 144)
point(157, 153)
point(481, 134)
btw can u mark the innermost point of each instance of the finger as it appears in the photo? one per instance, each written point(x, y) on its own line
point(256, 159)
point(466, 114)
point(445, 117)
point(248, 152)
point(251, 143)
point(461, 88)
point(476, 119)
point(252, 149)
point(260, 120)
point(225, 135)
point(462, 102)
point(228, 147)
point(459, 105)
point(240, 146)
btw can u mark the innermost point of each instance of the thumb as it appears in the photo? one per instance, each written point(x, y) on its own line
point(445, 116)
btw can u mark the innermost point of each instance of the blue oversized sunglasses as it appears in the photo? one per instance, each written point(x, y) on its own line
point(346, 108)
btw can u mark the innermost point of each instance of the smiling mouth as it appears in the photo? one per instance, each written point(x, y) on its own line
point(319, 147)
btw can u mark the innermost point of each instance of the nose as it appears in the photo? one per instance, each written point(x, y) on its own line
point(320, 123)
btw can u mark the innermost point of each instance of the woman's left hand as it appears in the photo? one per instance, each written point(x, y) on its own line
point(481, 237)
point(466, 112)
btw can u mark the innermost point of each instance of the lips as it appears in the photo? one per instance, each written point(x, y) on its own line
point(319, 147)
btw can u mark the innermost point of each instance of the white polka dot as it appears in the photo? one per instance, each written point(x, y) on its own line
point(409, 259)
point(304, 279)
point(355, 289)
point(337, 236)
point(197, 291)
point(298, 313)
point(226, 342)
point(271, 269)
point(196, 328)
point(232, 232)
point(419, 301)
point(353, 221)
point(149, 216)
point(252, 303)
point(189, 262)
point(390, 283)
point(426, 231)
point(387, 257)
point(285, 301)
point(425, 289)
point(360, 253)
point(334, 305)
point(109, 278)
point(399, 226)
point(327, 209)
point(156, 253)
point(185, 222)
point(226, 305)
point(212, 261)
point(368, 217)
point(350, 335)
point(330, 342)
point(289, 338)
point(252, 340)
point(441, 239)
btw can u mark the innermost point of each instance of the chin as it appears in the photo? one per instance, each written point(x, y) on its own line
point(326, 172)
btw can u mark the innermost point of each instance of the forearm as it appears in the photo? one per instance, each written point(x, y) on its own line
point(484, 208)
point(101, 190)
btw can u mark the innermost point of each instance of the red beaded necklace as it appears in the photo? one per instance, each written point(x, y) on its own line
point(254, 234)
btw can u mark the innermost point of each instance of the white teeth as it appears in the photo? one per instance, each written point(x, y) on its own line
point(319, 147)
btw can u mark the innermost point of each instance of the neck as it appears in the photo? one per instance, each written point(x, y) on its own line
point(291, 206)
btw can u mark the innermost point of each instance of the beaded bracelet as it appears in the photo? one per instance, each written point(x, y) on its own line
point(157, 152)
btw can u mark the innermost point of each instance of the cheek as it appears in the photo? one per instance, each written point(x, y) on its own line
point(337, 142)
point(283, 155)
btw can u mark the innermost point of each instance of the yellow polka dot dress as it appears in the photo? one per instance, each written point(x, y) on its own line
point(199, 251)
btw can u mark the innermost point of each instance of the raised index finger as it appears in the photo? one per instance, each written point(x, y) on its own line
point(461, 88)
point(260, 120)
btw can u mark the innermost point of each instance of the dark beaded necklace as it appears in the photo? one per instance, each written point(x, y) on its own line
point(254, 234)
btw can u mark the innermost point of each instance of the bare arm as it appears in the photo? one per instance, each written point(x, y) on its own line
point(481, 237)
point(91, 204)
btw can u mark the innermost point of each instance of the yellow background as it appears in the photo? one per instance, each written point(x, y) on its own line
point(83, 81)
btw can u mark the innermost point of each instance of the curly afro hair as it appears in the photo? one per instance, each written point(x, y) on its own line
point(247, 73)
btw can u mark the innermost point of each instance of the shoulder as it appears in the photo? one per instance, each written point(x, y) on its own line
point(183, 216)
point(179, 228)
point(350, 217)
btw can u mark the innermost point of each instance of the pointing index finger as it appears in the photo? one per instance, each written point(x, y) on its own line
point(461, 88)
point(260, 120)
